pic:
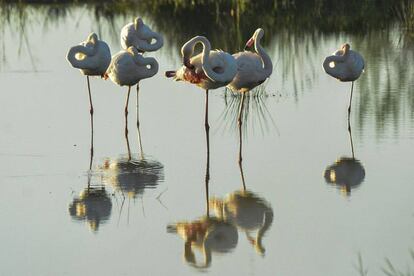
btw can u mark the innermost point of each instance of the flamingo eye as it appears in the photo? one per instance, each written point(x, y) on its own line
point(332, 64)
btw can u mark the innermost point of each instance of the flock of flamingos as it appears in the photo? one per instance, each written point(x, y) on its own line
point(211, 69)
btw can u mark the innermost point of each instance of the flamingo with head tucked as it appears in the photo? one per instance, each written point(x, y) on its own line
point(129, 68)
point(92, 57)
point(140, 36)
point(252, 68)
point(210, 69)
point(345, 65)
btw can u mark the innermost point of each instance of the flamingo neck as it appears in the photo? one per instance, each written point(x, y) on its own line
point(266, 61)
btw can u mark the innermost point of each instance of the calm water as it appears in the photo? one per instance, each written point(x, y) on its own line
point(292, 220)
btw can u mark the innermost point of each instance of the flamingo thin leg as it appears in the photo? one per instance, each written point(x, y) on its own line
point(350, 100)
point(138, 105)
point(126, 123)
point(207, 179)
point(207, 126)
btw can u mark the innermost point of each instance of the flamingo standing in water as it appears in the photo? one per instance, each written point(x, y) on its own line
point(209, 70)
point(345, 65)
point(140, 36)
point(92, 57)
point(129, 68)
point(252, 68)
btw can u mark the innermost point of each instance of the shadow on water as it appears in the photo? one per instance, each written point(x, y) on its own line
point(382, 31)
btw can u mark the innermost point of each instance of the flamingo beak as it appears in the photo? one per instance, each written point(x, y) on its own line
point(249, 44)
point(170, 74)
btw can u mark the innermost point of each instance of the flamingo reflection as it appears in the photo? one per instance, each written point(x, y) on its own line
point(93, 204)
point(206, 234)
point(131, 176)
point(346, 173)
point(245, 210)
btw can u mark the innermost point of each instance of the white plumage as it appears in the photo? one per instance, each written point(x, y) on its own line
point(92, 56)
point(140, 36)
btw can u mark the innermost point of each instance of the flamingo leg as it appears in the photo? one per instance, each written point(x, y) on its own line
point(127, 101)
point(90, 96)
point(126, 123)
point(350, 139)
point(138, 105)
point(240, 122)
point(91, 113)
point(138, 130)
point(207, 179)
point(241, 158)
point(350, 100)
point(207, 126)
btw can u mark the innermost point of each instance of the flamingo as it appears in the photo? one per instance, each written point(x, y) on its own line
point(140, 36)
point(252, 68)
point(92, 57)
point(210, 69)
point(345, 65)
point(129, 68)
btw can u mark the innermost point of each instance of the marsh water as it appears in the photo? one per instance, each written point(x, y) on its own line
point(310, 197)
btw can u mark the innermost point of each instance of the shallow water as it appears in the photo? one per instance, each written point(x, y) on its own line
point(52, 224)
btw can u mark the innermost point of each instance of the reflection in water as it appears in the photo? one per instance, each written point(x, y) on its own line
point(132, 176)
point(248, 212)
point(209, 235)
point(245, 210)
point(206, 234)
point(93, 205)
point(346, 173)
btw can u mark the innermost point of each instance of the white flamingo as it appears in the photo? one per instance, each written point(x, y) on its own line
point(92, 57)
point(345, 65)
point(141, 36)
point(209, 70)
point(252, 68)
point(129, 68)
